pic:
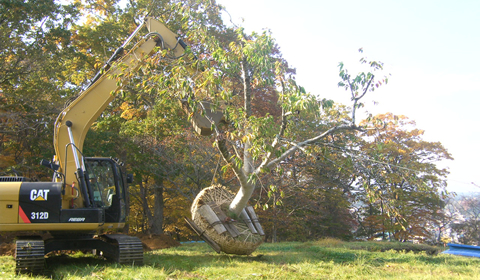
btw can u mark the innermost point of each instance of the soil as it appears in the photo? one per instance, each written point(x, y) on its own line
point(157, 241)
point(149, 241)
point(7, 249)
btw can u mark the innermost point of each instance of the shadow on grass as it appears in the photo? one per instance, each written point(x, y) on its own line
point(295, 253)
point(62, 265)
point(182, 258)
point(188, 258)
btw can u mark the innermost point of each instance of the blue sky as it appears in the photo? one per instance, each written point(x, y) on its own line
point(431, 49)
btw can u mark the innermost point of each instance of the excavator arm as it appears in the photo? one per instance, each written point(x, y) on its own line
point(74, 121)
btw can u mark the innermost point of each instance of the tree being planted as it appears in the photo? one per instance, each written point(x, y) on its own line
point(263, 107)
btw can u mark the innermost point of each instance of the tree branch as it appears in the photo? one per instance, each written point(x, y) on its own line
point(305, 143)
point(355, 99)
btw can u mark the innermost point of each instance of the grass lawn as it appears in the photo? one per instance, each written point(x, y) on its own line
point(324, 259)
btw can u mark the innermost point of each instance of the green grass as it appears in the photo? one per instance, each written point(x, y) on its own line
point(324, 259)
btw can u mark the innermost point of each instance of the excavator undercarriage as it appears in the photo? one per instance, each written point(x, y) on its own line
point(30, 250)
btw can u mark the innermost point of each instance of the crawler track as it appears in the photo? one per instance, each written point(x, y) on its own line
point(29, 255)
point(129, 249)
point(30, 251)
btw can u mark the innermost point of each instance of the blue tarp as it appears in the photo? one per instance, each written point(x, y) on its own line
point(463, 250)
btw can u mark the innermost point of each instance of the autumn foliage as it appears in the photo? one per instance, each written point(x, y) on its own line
point(317, 171)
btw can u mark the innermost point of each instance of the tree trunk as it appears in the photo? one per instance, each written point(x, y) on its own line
point(147, 213)
point(126, 228)
point(274, 222)
point(247, 95)
point(246, 188)
point(157, 219)
point(274, 231)
point(241, 199)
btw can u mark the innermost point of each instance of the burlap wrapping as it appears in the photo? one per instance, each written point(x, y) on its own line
point(244, 244)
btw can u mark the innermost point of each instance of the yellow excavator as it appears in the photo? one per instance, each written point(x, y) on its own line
point(87, 194)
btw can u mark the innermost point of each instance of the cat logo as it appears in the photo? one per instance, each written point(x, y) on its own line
point(39, 195)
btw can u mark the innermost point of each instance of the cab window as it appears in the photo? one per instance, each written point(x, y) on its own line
point(101, 175)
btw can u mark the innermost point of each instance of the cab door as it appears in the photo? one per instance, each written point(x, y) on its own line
point(108, 188)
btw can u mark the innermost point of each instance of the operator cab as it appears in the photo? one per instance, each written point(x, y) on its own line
point(107, 184)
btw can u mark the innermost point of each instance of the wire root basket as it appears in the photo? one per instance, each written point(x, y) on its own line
point(239, 237)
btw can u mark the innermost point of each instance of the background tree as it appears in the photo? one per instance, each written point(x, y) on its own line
point(34, 43)
point(468, 230)
point(314, 192)
point(399, 177)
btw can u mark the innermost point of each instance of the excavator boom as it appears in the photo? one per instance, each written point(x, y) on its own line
point(76, 119)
